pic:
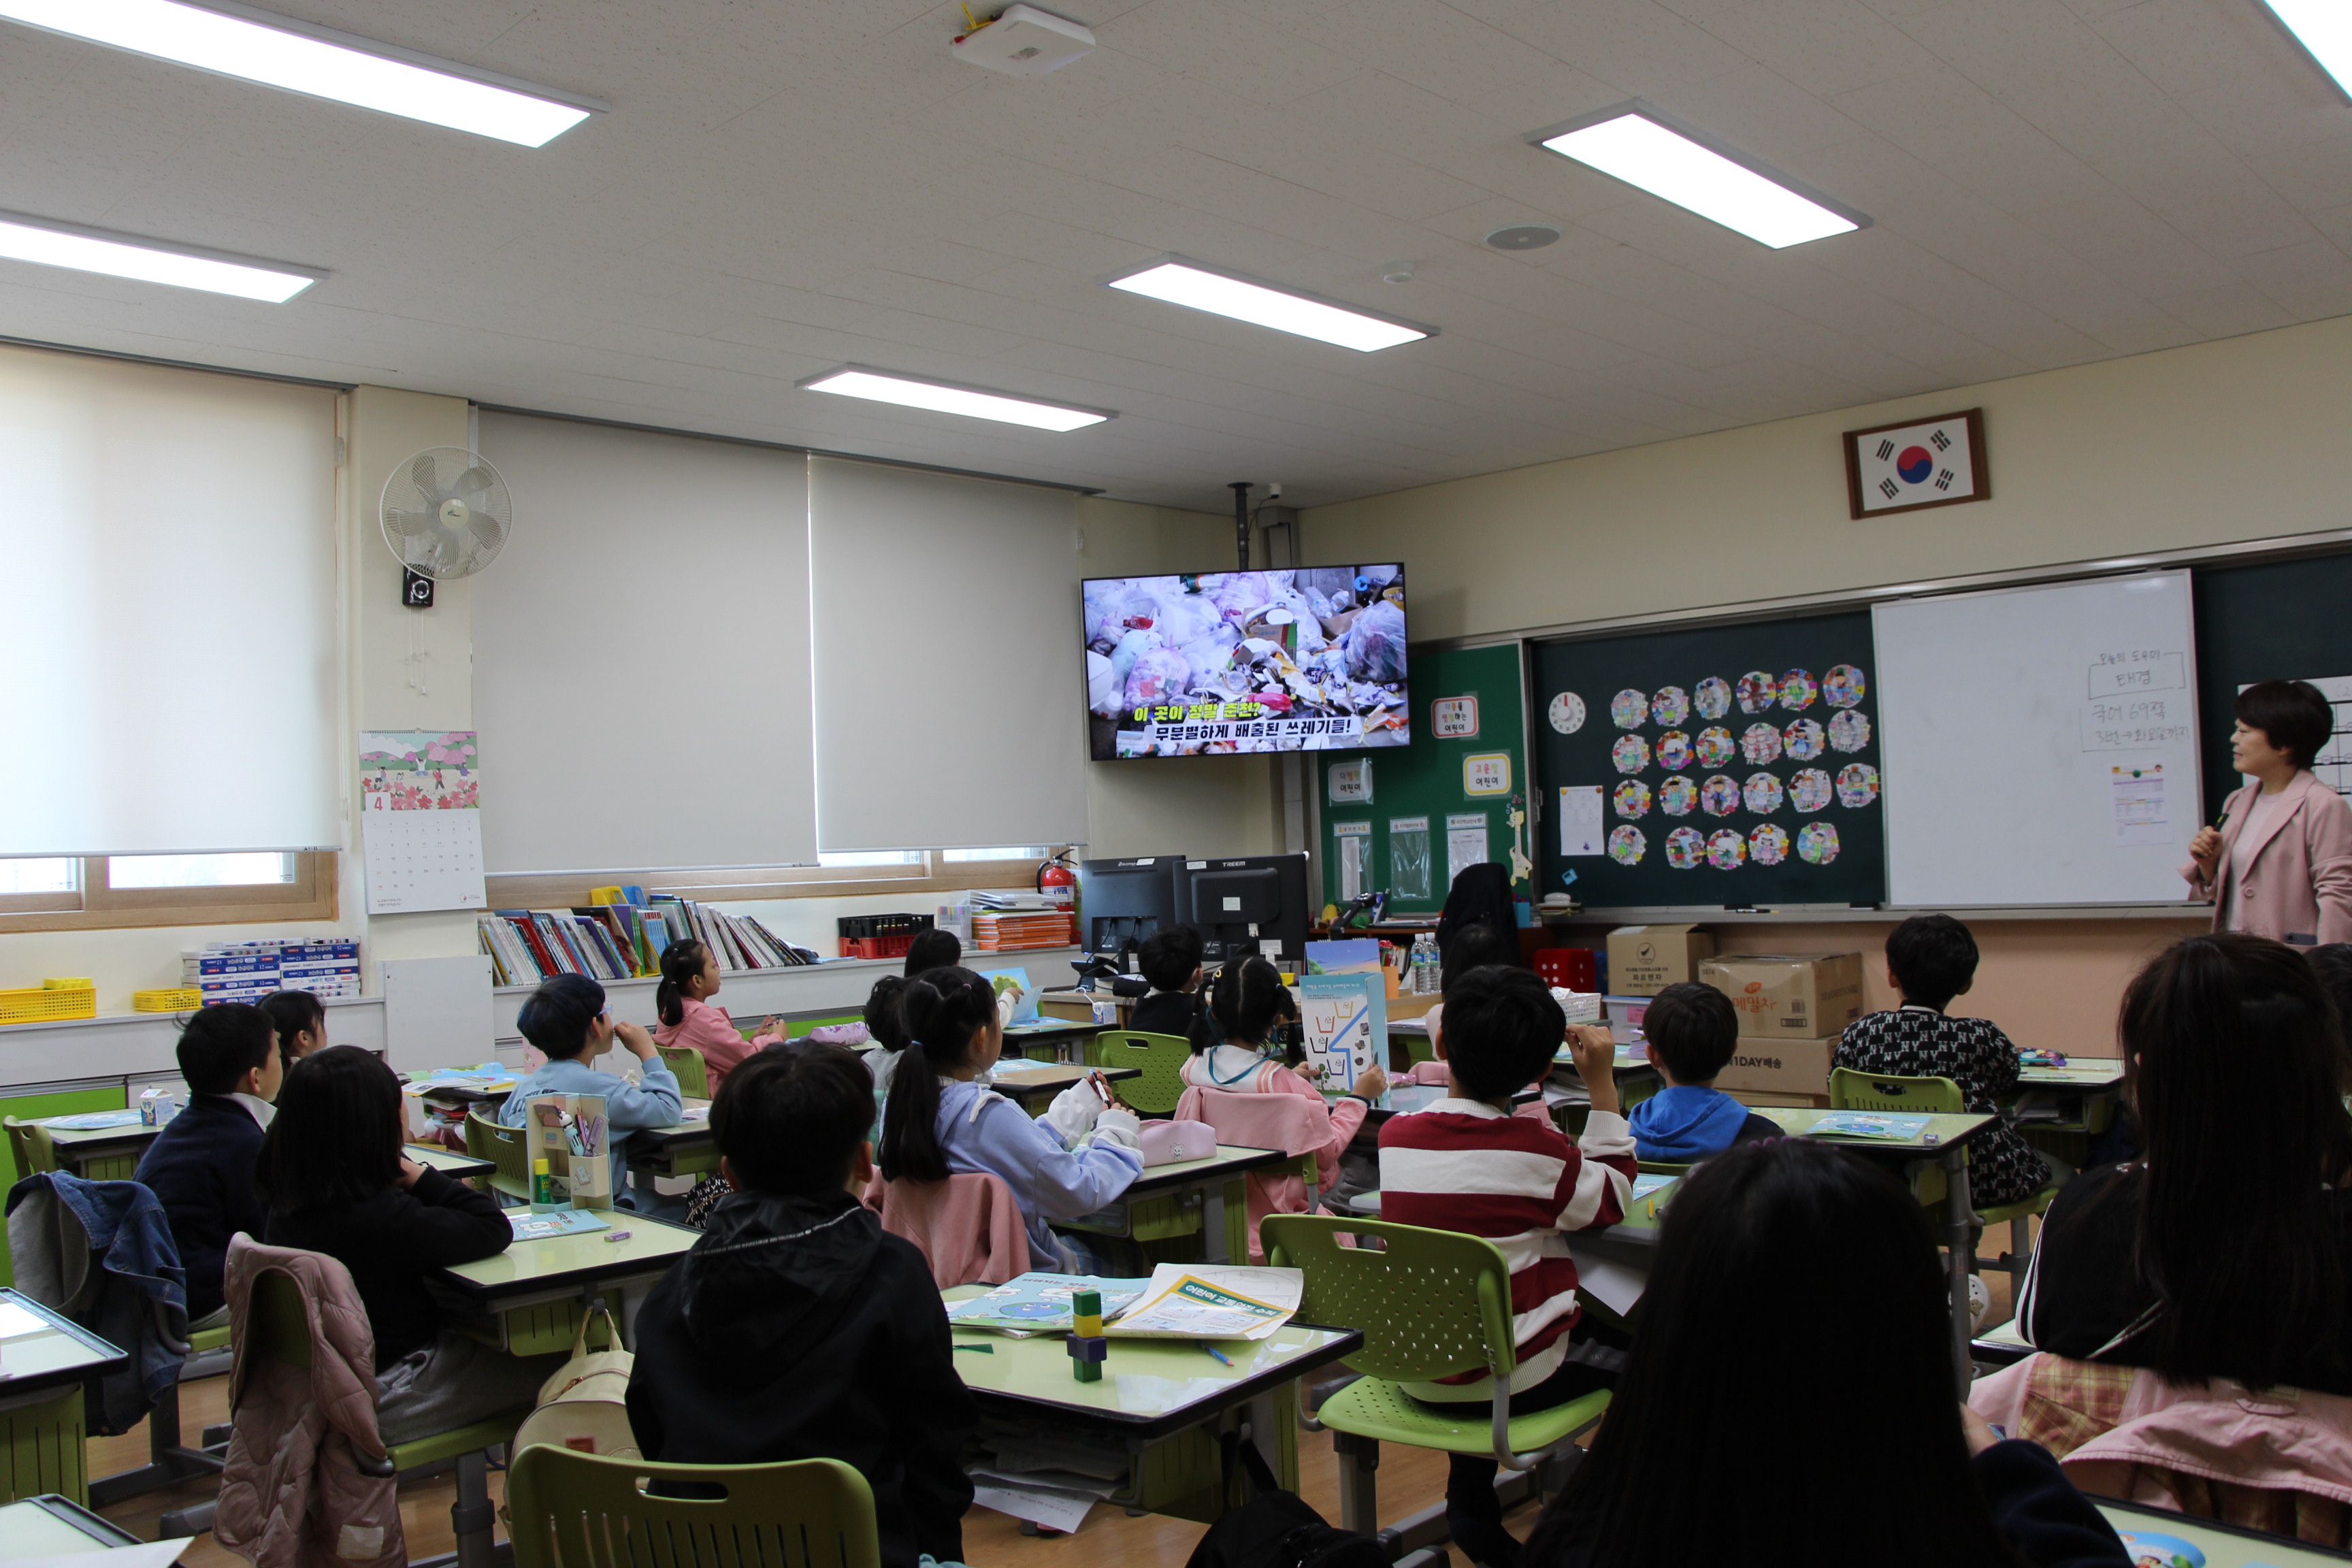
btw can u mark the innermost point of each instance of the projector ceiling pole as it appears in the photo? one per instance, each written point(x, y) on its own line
point(1241, 489)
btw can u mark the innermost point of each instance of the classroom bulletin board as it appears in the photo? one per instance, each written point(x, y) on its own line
point(1405, 819)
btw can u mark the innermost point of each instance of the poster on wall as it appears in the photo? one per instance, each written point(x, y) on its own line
point(421, 820)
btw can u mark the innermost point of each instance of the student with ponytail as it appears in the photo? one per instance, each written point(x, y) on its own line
point(941, 1121)
point(885, 1028)
point(689, 978)
point(1246, 1000)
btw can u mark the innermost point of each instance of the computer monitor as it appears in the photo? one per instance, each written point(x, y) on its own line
point(1256, 903)
point(1124, 901)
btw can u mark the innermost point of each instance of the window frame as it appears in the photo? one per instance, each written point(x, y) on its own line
point(730, 886)
point(314, 894)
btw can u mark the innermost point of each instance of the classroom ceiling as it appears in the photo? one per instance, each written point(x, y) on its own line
point(787, 185)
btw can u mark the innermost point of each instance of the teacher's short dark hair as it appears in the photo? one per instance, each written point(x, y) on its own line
point(2292, 713)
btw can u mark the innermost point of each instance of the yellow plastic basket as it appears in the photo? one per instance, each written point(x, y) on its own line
point(78, 983)
point(45, 1006)
point(170, 999)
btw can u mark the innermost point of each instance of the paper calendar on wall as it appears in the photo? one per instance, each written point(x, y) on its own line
point(420, 821)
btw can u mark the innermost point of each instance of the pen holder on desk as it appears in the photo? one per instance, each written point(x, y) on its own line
point(568, 1137)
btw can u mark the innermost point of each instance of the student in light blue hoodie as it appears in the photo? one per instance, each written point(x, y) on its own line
point(1692, 1030)
point(566, 1019)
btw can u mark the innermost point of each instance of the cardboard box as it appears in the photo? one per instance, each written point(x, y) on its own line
point(1804, 996)
point(1790, 1067)
point(1646, 960)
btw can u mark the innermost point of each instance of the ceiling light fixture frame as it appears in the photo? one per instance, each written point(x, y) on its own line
point(1167, 258)
point(163, 248)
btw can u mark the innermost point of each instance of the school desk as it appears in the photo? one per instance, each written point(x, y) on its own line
point(529, 1298)
point(1207, 1195)
point(53, 1526)
point(1031, 1085)
point(684, 1149)
point(102, 1154)
point(2001, 1346)
point(2222, 1545)
point(462, 1097)
point(2059, 1109)
point(1064, 1038)
point(448, 1161)
point(45, 1358)
point(1161, 1402)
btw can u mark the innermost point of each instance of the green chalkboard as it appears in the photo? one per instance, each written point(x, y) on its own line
point(1749, 771)
point(2280, 620)
point(1428, 782)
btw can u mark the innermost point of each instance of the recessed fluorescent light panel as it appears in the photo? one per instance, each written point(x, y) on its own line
point(2324, 27)
point(1182, 282)
point(149, 262)
point(1638, 145)
point(277, 51)
point(945, 397)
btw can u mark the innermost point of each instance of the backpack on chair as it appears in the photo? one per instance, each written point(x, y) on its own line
point(584, 1407)
point(1277, 1529)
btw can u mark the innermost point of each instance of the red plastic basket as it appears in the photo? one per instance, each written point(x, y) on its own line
point(876, 946)
point(1570, 968)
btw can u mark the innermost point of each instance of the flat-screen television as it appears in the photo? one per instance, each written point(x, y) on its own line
point(1310, 658)
point(1256, 903)
point(1125, 901)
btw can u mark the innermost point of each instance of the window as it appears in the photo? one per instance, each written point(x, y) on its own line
point(97, 892)
point(1001, 852)
point(871, 858)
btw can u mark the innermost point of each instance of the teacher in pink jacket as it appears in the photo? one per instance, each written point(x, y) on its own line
point(2280, 863)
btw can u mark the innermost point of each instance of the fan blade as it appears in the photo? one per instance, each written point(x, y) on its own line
point(473, 481)
point(425, 477)
point(408, 524)
point(489, 532)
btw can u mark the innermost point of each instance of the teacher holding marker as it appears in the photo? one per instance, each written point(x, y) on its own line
point(2279, 862)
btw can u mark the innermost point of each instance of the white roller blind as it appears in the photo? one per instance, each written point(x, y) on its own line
point(168, 668)
point(948, 707)
point(641, 654)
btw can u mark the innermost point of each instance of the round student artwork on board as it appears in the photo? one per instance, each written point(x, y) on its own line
point(1674, 751)
point(1726, 850)
point(1809, 789)
point(1715, 747)
point(1686, 847)
point(1670, 707)
point(1769, 844)
point(1797, 689)
point(1632, 798)
point(1843, 686)
point(1567, 712)
point(1803, 739)
point(1631, 753)
point(1627, 845)
point(1679, 797)
point(1857, 784)
point(1711, 697)
point(1850, 731)
point(1719, 796)
point(1760, 743)
point(1817, 843)
point(1763, 793)
point(1628, 708)
point(1758, 691)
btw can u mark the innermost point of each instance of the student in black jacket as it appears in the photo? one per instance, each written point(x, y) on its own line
point(1171, 961)
point(336, 1181)
point(200, 1167)
point(1735, 1438)
point(796, 1327)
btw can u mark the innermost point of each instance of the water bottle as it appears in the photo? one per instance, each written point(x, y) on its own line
point(1424, 964)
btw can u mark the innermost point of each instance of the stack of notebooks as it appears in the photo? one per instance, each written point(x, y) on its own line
point(619, 942)
point(1008, 931)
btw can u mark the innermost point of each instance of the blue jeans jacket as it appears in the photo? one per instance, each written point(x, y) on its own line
point(143, 1295)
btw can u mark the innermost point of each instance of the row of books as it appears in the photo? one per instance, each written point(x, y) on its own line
point(1010, 931)
point(620, 942)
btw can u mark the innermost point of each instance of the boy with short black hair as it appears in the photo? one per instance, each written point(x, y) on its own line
point(797, 1328)
point(1692, 1030)
point(200, 1167)
point(1171, 961)
point(566, 1019)
point(1467, 1163)
point(1930, 960)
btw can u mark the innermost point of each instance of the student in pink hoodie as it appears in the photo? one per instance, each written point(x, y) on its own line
point(689, 978)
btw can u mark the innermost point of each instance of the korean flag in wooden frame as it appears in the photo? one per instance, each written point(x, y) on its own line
point(1917, 464)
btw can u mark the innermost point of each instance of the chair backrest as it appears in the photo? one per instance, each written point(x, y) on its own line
point(31, 1146)
point(1852, 1090)
point(1290, 1122)
point(968, 1229)
point(1163, 1059)
point(693, 1072)
point(1430, 1304)
point(486, 1140)
point(578, 1510)
point(1419, 1048)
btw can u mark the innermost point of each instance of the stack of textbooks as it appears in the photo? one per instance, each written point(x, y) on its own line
point(619, 942)
point(249, 971)
point(1010, 930)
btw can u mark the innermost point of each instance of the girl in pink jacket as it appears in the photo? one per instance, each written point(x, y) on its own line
point(689, 978)
point(1246, 1001)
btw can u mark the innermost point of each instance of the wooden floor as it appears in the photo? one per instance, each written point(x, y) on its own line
point(1410, 1480)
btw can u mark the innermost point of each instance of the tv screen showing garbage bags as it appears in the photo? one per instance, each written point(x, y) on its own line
point(1203, 664)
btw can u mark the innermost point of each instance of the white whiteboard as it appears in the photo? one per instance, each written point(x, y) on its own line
point(2039, 744)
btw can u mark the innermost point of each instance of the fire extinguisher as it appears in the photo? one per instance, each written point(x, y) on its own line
point(1056, 872)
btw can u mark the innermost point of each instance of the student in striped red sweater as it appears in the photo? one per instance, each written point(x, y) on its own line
point(1467, 1163)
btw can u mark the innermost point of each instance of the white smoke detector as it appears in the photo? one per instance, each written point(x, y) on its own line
point(1024, 41)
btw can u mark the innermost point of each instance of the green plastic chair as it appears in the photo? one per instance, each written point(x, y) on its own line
point(693, 1072)
point(1430, 1304)
point(1663, 1167)
point(1420, 1048)
point(276, 1327)
point(1163, 1059)
point(29, 1142)
point(1852, 1090)
point(576, 1510)
point(486, 1140)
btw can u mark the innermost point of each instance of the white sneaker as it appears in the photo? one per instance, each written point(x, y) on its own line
point(1980, 1301)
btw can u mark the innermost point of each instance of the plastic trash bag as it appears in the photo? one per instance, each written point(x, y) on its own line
point(1375, 644)
point(1159, 676)
point(1102, 686)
